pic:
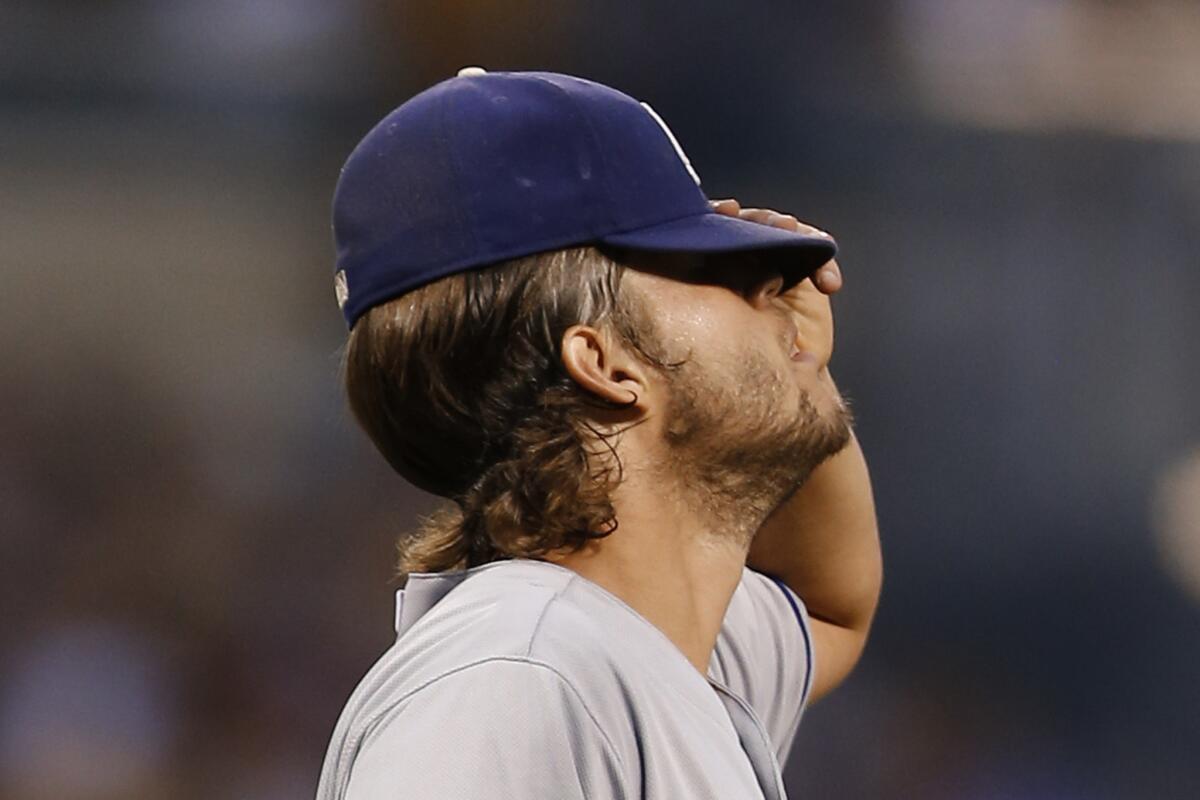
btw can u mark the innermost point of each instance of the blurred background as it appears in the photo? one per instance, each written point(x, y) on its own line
point(196, 542)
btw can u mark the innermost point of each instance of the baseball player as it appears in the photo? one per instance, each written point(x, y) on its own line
point(661, 544)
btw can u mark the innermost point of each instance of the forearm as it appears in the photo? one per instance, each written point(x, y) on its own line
point(824, 543)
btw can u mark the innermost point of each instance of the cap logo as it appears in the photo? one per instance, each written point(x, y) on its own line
point(674, 142)
point(341, 289)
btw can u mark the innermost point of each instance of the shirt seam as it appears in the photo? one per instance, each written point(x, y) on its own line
point(378, 717)
point(537, 625)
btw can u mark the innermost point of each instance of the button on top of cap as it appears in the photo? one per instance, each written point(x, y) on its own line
point(471, 72)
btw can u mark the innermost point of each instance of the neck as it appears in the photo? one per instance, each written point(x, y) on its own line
point(677, 569)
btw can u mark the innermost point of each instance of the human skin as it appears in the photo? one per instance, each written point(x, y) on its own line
point(824, 541)
point(745, 457)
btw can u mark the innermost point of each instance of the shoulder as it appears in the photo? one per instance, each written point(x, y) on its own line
point(505, 643)
point(765, 625)
point(761, 596)
point(512, 688)
point(448, 738)
point(496, 619)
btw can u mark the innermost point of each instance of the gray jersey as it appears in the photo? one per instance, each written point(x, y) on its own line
point(522, 679)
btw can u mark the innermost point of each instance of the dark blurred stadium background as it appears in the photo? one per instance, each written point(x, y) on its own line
point(196, 542)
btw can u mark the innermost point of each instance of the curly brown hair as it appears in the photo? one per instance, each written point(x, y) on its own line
point(460, 385)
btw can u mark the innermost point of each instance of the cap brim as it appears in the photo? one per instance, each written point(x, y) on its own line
point(717, 233)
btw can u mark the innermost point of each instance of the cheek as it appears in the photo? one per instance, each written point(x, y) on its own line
point(698, 323)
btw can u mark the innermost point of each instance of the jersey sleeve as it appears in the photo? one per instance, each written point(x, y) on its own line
point(764, 654)
point(507, 729)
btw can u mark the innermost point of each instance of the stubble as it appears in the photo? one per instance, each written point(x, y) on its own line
point(740, 448)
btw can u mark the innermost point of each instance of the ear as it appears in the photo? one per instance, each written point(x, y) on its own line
point(601, 366)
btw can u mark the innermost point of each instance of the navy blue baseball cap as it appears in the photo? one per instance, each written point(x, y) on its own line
point(488, 166)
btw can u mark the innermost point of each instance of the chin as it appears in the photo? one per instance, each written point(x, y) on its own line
point(833, 416)
point(835, 407)
point(826, 399)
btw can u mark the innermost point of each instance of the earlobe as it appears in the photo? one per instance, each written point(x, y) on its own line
point(599, 365)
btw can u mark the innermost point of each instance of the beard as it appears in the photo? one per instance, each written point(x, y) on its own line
point(740, 448)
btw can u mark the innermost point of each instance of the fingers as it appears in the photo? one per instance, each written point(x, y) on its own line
point(765, 216)
point(729, 207)
point(828, 279)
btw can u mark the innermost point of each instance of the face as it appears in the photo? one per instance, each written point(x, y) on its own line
point(749, 413)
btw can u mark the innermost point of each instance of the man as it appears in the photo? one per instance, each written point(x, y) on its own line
point(623, 389)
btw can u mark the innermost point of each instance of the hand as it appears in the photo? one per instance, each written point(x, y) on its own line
point(828, 279)
point(808, 301)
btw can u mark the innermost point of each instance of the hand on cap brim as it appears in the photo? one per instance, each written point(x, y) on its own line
point(827, 279)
